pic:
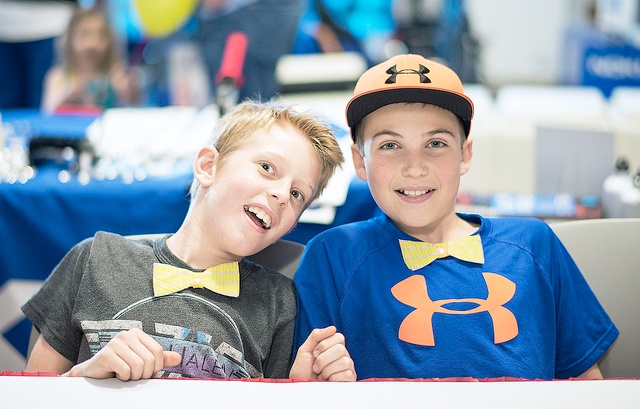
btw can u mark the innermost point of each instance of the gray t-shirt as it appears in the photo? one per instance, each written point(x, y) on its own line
point(105, 285)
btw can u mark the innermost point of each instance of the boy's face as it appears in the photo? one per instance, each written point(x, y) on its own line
point(90, 42)
point(258, 192)
point(413, 158)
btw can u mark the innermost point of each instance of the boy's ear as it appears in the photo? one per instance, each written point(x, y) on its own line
point(467, 154)
point(358, 162)
point(204, 166)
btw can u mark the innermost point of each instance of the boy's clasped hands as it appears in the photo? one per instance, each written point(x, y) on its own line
point(134, 355)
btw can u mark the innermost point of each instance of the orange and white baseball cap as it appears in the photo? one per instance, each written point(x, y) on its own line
point(408, 78)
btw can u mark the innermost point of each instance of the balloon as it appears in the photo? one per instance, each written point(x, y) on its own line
point(160, 18)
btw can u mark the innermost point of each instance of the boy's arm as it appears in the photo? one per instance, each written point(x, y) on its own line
point(130, 355)
point(323, 356)
point(592, 373)
point(44, 358)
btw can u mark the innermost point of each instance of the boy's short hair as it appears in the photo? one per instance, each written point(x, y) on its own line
point(408, 78)
point(234, 129)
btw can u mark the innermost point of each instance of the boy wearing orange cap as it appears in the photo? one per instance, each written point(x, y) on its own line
point(422, 291)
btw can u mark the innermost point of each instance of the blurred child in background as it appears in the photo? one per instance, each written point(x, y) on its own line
point(91, 73)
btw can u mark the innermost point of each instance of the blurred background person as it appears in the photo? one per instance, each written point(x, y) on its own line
point(439, 30)
point(28, 30)
point(91, 72)
point(270, 26)
point(346, 25)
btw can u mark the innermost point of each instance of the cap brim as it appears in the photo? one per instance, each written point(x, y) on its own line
point(364, 104)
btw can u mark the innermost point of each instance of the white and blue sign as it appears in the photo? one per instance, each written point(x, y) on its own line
point(612, 66)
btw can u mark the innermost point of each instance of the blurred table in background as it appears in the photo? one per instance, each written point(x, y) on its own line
point(35, 122)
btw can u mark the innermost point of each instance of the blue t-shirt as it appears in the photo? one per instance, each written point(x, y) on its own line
point(527, 312)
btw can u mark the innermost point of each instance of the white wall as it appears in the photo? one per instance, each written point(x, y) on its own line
point(522, 40)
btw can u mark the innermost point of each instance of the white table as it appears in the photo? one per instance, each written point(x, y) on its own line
point(58, 392)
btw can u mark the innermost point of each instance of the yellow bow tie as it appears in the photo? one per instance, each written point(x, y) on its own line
point(223, 279)
point(417, 254)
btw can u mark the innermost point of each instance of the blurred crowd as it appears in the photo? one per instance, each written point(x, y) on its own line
point(95, 54)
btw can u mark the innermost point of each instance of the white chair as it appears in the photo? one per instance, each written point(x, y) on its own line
point(552, 105)
point(520, 109)
point(607, 251)
point(283, 256)
point(315, 72)
point(484, 174)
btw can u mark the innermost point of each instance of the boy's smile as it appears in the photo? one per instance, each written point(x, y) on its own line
point(261, 217)
point(413, 158)
point(415, 196)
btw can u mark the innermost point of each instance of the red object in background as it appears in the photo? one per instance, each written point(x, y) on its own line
point(233, 57)
point(79, 110)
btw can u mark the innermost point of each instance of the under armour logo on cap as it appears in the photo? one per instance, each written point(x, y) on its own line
point(393, 71)
point(408, 78)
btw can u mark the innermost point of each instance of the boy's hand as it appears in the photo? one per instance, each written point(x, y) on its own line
point(324, 356)
point(130, 355)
